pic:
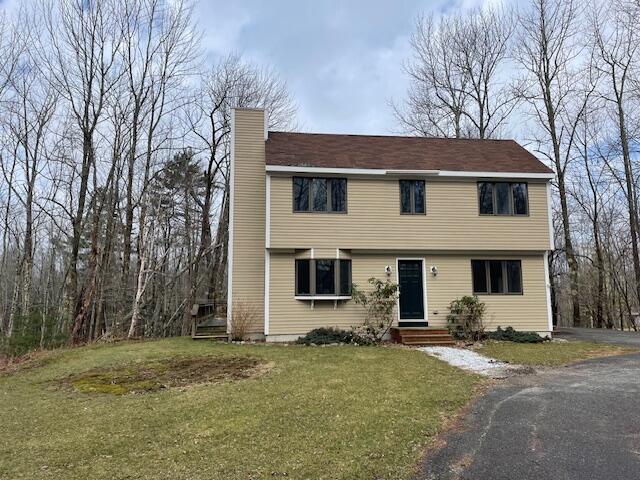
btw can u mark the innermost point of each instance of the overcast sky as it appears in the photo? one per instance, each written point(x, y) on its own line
point(342, 60)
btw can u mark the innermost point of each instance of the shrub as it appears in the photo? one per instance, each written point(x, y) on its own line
point(242, 316)
point(378, 304)
point(511, 335)
point(465, 318)
point(325, 336)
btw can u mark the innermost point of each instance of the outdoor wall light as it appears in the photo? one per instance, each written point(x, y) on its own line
point(434, 270)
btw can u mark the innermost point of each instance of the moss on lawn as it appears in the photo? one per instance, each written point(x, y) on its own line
point(549, 353)
point(340, 412)
point(148, 377)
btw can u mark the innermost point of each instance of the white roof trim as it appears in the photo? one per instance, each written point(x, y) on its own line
point(452, 173)
point(412, 172)
point(380, 171)
point(342, 171)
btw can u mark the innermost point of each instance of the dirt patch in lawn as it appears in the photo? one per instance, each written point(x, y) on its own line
point(172, 372)
point(10, 365)
point(610, 351)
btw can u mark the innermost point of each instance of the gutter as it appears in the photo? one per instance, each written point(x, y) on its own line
point(395, 173)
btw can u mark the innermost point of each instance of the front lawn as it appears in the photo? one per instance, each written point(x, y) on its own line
point(309, 412)
point(549, 353)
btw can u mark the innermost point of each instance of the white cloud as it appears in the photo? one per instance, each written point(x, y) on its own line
point(342, 60)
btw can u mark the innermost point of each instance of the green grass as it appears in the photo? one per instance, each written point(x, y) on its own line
point(339, 412)
point(549, 353)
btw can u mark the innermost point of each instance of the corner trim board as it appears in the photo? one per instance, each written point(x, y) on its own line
point(267, 288)
point(266, 125)
point(552, 245)
point(547, 284)
point(267, 223)
point(231, 219)
point(267, 253)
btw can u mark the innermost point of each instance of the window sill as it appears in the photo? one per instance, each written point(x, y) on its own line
point(323, 297)
point(509, 294)
point(330, 212)
point(504, 215)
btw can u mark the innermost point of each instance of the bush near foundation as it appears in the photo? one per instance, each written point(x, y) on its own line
point(328, 336)
point(465, 318)
point(509, 334)
point(378, 302)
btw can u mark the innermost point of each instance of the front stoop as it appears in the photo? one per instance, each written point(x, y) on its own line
point(421, 336)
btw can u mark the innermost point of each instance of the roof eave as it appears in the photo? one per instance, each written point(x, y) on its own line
point(396, 172)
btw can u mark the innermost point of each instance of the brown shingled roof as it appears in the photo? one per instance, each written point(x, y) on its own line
point(399, 153)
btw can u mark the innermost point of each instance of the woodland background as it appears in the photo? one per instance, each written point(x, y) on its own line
point(114, 149)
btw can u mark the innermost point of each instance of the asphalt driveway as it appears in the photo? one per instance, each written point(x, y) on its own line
point(579, 422)
point(599, 335)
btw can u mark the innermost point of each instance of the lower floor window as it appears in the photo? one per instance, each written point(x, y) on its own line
point(496, 276)
point(323, 277)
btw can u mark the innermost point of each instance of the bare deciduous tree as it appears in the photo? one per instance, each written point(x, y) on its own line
point(104, 233)
point(547, 49)
point(459, 87)
point(616, 45)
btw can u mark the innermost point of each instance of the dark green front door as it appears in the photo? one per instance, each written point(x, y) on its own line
point(411, 284)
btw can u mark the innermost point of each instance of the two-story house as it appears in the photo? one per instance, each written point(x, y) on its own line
point(310, 214)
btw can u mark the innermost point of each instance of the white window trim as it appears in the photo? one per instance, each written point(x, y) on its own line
point(322, 297)
point(424, 290)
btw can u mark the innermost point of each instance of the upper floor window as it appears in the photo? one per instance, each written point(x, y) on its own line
point(503, 198)
point(319, 194)
point(496, 276)
point(323, 277)
point(412, 199)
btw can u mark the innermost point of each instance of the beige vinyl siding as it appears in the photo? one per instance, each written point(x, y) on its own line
point(323, 253)
point(374, 221)
point(523, 312)
point(249, 204)
point(289, 316)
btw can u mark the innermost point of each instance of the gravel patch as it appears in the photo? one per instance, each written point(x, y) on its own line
point(474, 362)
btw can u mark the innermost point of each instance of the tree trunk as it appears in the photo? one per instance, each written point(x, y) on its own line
point(71, 286)
point(631, 197)
point(27, 262)
point(219, 267)
point(137, 303)
point(15, 298)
